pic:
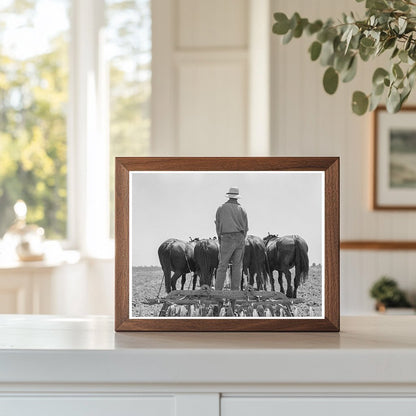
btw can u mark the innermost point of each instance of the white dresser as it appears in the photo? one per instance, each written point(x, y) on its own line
point(79, 366)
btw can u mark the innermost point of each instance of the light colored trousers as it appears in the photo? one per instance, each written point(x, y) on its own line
point(231, 251)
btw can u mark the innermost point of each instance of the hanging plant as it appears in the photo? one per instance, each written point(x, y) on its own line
point(388, 27)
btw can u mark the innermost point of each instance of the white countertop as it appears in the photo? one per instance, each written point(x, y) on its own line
point(52, 349)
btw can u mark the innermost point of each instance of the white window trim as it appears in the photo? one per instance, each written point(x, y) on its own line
point(88, 139)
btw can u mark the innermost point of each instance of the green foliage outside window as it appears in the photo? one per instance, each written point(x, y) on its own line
point(129, 41)
point(33, 99)
point(34, 103)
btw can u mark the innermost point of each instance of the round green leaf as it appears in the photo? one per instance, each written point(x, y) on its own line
point(322, 36)
point(374, 102)
point(412, 69)
point(412, 52)
point(395, 52)
point(393, 101)
point(300, 25)
point(341, 61)
point(403, 56)
point(379, 75)
point(355, 41)
point(315, 50)
point(389, 43)
point(351, 71)
point(408, 42)
point(397, 71)
point(378, 90)
point(294, 20)
point(330, 80)
point(411, 73)
point(376, 4)
point(327, 54)
point(367, 42)
point(314, 27)
point(282, 25)
point(411, 77)
point(400, 5)
point(288, 37)
point(359, 103)
point(403, 96)
point(366, 53)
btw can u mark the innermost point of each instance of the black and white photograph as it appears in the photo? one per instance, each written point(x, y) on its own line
point(226, 244)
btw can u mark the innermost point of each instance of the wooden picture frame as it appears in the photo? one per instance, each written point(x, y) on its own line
point(394, 144)
point(132, 171)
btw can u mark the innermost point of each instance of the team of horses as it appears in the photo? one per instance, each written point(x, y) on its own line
point(262, 256)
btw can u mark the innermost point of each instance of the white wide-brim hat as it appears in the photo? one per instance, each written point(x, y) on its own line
point(233, 193)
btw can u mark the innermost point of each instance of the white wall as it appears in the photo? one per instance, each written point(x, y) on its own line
point(308, 122)
point(203, 84)
point(211, 95)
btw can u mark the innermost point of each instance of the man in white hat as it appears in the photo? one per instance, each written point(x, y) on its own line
point(232, 226)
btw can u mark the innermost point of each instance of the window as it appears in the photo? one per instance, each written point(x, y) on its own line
point(75, 87)
point(33, 102)
point(129, 43)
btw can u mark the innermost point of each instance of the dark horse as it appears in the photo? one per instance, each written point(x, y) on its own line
point(176, 256)
point(206, 252)
point(286, 252)
point(255, 263)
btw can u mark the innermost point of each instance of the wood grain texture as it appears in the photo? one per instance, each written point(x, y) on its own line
point(332, 226)
point(329, 165)
point(378, 245)
point(121, 244)
point(376, 168)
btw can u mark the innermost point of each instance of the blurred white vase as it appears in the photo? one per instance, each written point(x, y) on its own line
point(23, 240)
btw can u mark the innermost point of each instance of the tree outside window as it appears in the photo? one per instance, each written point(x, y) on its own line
point(34, 94)
point(33, 101)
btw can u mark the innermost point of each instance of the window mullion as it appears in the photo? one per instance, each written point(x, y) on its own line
point(88, 137)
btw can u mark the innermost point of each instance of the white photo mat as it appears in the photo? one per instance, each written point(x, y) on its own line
point(153, 209)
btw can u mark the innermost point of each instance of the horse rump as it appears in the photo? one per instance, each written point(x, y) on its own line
point(165, 262)
point(206, 259)
point(301, 259)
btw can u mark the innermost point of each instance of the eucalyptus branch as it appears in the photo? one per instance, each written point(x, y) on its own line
point(389, 25)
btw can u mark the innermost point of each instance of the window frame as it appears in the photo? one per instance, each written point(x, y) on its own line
point(87, 128)
point(87, 133)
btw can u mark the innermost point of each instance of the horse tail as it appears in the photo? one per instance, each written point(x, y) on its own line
point(301, 259)
point(266, 267)
point(276, 251)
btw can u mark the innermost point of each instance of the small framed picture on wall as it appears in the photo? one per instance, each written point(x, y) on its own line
point(394, 159)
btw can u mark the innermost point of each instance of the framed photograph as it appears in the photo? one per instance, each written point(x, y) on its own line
point(394, 180)
point(227, 244)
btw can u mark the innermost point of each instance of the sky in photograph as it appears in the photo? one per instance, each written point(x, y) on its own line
point(183, 204)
